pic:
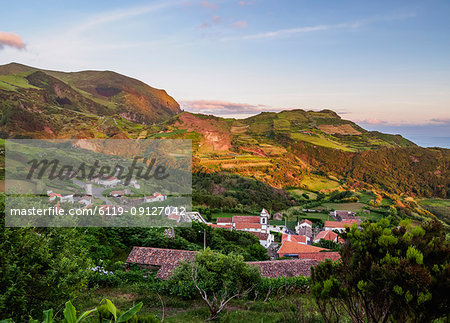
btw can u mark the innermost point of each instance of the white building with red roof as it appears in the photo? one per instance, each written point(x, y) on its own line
point(295, 238)
point(155, 197)
point(326, 235)
point(339, 226)
point(253, 224)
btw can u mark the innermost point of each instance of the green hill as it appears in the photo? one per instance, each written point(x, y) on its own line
point(40, 103)
point(314, 150)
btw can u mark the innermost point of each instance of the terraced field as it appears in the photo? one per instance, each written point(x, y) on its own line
point(320, 141)
point(317, 183)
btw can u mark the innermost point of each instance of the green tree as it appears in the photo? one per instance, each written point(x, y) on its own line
point(400, 274)
point(38, 268)
point(217, 278)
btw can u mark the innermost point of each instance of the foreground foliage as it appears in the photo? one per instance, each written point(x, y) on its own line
point(106, 312)
point(217, 278)
point(400, 274)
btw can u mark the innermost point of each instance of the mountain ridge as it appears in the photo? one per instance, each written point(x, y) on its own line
point(315, 150)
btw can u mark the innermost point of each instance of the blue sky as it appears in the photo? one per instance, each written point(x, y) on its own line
point(384, 64)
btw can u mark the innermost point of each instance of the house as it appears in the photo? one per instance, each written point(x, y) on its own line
point(295, 238)
point(120, 193)
point(305, 231)
point(339, 213)
point(224, 221)
point(326, 235)
point(278, 216)
point(304, 223)
point(85, 200)
point(67, 198)
point(304, 227)
point(163, 260)
point(135, 184)
point(155, 197)
point(293, 249)
point(109, 181)
point(248, 226)
point(52, 196)
point(248, 223)
point(320, 256)
point(339, 226)
point(174, 217)
point(265, 239)
point(245, 219)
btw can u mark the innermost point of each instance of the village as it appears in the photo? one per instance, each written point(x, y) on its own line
point(102, 190)
point(292, 256)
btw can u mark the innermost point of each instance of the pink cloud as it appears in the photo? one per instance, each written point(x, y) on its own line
point(11, 40)
point(218, 107)
point(240, 24)
point(207, 4)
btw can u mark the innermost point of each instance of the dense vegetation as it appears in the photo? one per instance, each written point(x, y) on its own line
point(232, 192)
point(413, 171)
point(400, 274)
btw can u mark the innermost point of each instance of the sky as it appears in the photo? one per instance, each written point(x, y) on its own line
point(382, 64)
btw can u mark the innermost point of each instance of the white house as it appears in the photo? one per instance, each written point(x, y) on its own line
point(109, 181)
point(265, 239)
point(338, 226)
point(88, 188)
point(67, 198)
point(85, 200)
point(155, 197)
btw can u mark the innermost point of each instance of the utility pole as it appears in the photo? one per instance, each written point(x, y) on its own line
point(204, 239)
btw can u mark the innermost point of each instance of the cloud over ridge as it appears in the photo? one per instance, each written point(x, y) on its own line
point(11, 40)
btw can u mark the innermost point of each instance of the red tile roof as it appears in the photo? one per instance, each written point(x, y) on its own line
point(335, 224)
point(293, 248)
point(293, 237)
point(247, 225)
point(306, 221)
point(246, 219)
point(260, 235)
point(165, 259)
point(174, 216)
point(320, 256)
point(285, 268)
point(327, 235)
point(223, 220)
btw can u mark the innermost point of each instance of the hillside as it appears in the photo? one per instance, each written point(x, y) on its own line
point(313, 150)
point(40, 103)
